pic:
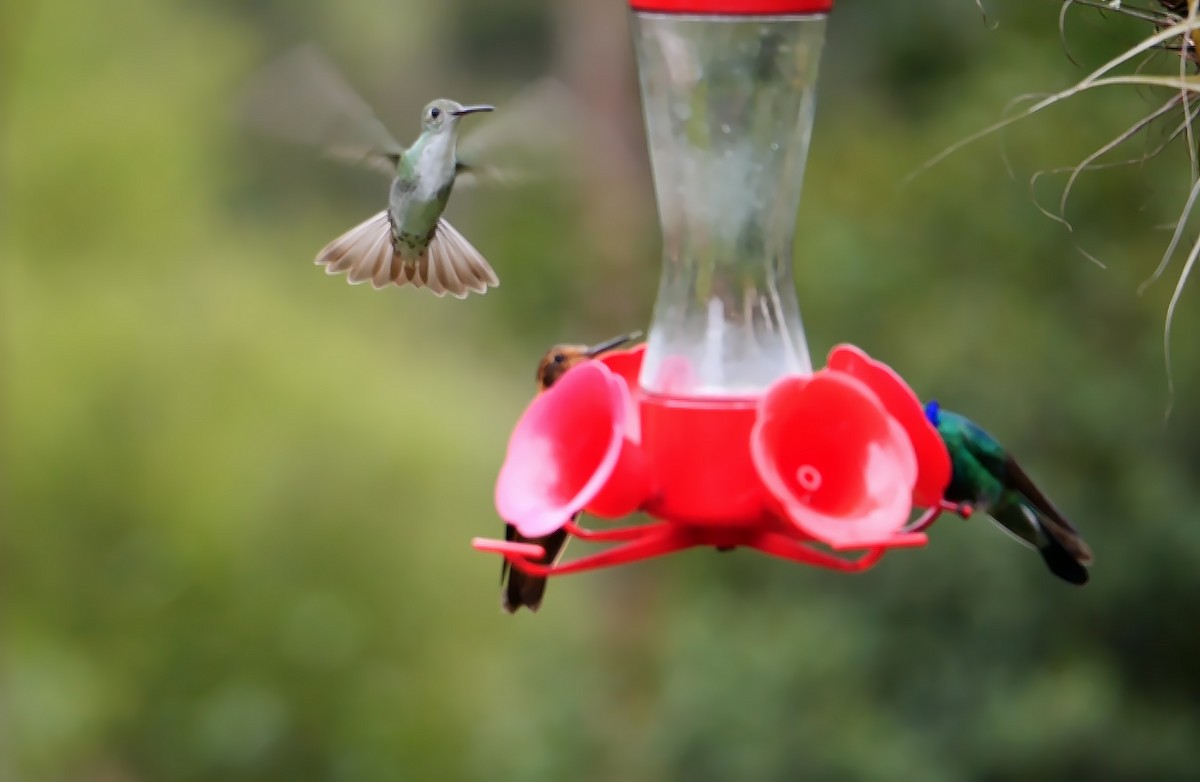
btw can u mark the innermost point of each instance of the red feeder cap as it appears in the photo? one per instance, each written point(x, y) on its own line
point(733, 7)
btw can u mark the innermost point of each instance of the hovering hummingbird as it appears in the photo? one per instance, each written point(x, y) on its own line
point(410, 241)
point(986, 477)
point(521, 589)
point(302, 98)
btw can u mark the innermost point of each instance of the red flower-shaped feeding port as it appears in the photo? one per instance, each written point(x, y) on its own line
point(828, 462)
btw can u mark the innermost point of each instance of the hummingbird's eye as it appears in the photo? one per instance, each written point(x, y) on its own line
point(559, 358)
point(435, 112)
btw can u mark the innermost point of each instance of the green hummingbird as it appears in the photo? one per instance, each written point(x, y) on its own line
point(521, 589)
point(986, 477)
point(301, 98)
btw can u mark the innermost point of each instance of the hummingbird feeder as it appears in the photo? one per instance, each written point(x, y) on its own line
point(717, 427)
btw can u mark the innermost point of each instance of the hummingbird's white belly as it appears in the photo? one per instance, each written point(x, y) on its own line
point(435, 166)
point(417, 200)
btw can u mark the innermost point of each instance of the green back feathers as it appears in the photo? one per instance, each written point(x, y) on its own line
point(978, 462)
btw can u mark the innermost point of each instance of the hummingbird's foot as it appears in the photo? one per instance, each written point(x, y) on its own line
point(931, 515)
point(925, 521)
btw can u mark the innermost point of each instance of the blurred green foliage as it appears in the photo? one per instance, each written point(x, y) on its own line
point(238, 494)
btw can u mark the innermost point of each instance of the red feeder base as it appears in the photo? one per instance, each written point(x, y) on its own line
point(834, 461)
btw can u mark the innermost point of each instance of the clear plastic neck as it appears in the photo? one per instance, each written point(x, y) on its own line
point(728, 105)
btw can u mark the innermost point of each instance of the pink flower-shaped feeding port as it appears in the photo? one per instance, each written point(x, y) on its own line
point(847, 451)
point(574, 448)
point(933, 462)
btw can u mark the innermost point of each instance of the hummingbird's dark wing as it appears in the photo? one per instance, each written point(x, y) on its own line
point(540, 132)
point(301, 98)
point(999, 463)
point(1053, 521)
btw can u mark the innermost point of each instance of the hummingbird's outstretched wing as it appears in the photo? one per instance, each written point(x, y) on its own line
point(301, 98)
point(541, 132)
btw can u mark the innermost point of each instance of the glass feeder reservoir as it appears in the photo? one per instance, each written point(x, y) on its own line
point(728, 102)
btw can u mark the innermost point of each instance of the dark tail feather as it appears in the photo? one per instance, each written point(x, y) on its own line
point(1062, 564)
point(1064, 551)
point(525, 590)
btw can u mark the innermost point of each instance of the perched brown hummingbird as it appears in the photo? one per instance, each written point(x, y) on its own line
point(521, 589)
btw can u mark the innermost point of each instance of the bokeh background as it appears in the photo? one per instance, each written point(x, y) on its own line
point(238, 494)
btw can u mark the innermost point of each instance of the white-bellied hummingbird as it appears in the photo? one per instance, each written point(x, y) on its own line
point(517, 588)
point(410, 242)
point(302, 98)
point(986, 477)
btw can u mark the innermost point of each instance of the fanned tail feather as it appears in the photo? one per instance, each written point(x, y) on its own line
point(1063, 563)
point(360, 251)
point(450, 264)
point(456, 265)
point(1065, 554)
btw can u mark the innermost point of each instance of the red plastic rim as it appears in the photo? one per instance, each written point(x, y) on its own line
point(733, 7)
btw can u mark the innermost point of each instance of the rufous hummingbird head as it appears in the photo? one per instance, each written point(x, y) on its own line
point(560, 358)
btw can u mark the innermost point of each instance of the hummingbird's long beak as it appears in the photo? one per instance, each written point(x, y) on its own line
point(609, 344)
point(473, 109)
